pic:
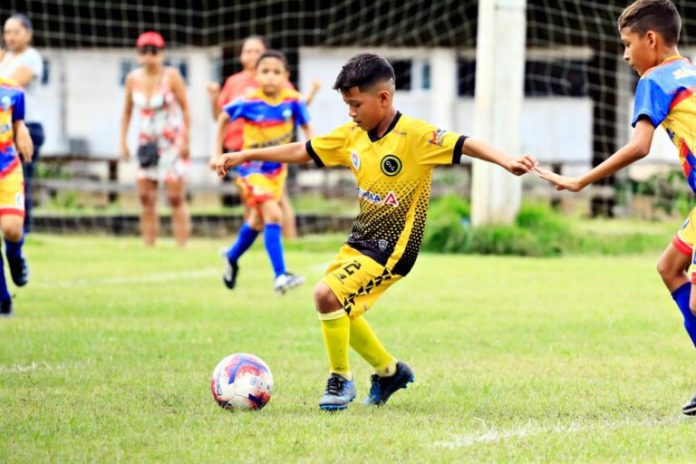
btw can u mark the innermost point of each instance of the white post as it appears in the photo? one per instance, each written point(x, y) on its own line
point(443, 84)
point(500, 58)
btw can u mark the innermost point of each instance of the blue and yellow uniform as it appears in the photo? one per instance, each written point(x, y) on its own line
point(267, 122)
point(393, 175)
point(11, 178)
point(666, 95)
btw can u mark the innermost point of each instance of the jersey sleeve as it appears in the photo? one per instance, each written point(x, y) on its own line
point(18, 108)
point(438, 146)
point(330, 149)
point(651, 102)
point(300, 113)
point(235, 109)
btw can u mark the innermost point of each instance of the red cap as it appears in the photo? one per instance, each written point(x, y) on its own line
point(150, 38)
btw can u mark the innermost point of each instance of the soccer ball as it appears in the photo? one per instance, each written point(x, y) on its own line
point(241, 381)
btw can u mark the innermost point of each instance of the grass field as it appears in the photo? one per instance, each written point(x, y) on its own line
point(109, 356)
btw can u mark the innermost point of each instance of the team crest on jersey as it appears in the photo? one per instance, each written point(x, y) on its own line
point(287, 114)
point(391, 165)
point(6, 102)
point(355, 159)
point(437, 137)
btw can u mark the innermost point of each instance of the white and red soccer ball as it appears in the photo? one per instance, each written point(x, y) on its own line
point(242, 381)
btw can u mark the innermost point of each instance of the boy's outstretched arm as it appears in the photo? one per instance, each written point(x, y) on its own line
point(294, 153)
point(517, 166)
point(637, 148)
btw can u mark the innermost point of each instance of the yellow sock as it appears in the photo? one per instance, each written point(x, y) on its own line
point(365, 342)
point(335, 327)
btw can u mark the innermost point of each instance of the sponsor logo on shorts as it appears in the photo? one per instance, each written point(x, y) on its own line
point(19, 199)
point(382, 244)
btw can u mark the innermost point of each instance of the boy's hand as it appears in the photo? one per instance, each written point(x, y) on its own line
point(571, 184)
point(226, 161)
point(522, 165)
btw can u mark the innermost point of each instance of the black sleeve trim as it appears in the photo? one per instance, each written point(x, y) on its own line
point(313, 154)
point(457, 152)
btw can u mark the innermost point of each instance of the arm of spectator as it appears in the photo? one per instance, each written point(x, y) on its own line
point(126, 117)
point(179, 89)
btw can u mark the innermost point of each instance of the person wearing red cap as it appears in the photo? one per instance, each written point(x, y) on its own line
point(158, 93)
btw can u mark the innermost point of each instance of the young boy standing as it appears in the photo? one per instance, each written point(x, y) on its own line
point(392, 156)
point(665, 96)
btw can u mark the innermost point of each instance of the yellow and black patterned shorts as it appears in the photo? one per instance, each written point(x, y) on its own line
point(357, 280)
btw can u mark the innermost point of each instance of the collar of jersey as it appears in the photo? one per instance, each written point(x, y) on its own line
point(373, 133)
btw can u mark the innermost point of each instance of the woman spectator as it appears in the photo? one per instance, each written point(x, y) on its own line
point(159, 94)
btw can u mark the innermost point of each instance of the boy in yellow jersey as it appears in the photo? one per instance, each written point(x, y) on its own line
point(392, 157)
point(665, 96)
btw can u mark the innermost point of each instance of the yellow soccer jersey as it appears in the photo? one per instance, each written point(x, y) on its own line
point(393, 175)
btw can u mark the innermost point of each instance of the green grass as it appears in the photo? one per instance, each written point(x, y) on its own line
point(109, 356)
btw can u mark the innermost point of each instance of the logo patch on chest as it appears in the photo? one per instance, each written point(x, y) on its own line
point(391, 165)
point(355, 159)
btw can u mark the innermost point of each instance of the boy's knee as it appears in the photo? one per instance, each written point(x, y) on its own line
point(663, 268)
point(13, 232)
point(324, 299)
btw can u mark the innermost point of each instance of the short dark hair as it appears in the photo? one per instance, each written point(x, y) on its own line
point(23, 20)
point(363, 71)
point(657, 15)
point(277, 54)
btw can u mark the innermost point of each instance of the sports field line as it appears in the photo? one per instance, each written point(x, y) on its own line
point(124, 280)
point(19, 368)
point(531, 429)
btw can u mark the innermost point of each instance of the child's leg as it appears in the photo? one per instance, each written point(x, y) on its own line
point(365, 342)
point(335, 327)
point(12, 227)
point(247, 235)
point(272, 229)
point(672, 266)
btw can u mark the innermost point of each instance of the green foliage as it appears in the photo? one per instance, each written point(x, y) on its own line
point(538, 231)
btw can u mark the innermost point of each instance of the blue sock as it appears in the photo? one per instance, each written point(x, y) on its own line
point(681, 297)
point(274, 247)
point(4, 293)
point(14, 249)
point(246, 238)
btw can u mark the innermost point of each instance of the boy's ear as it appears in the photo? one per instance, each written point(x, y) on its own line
point(652, 38)
point(384, 96)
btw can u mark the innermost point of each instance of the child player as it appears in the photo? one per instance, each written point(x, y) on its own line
point(665, 96)
point(392, 156)
point(270, 113)
point(14, 139)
